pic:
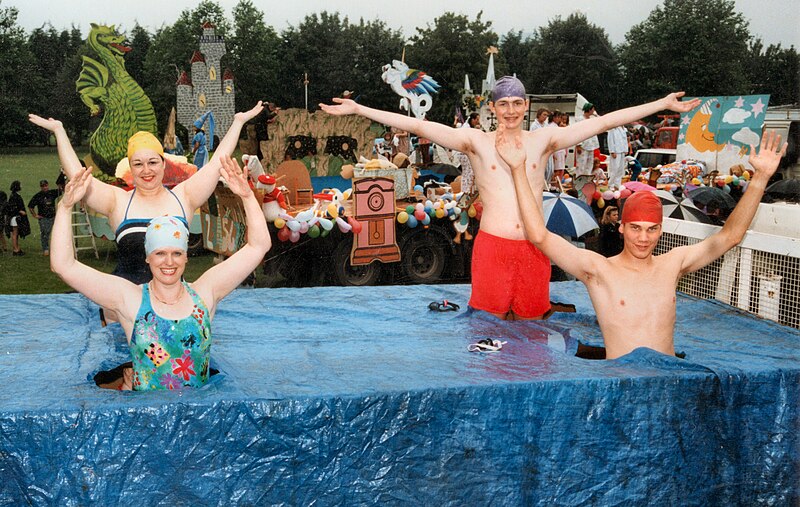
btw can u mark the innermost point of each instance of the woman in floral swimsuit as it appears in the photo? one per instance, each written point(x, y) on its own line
point(167, 320)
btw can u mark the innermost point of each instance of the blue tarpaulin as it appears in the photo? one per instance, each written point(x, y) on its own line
point(364, 396)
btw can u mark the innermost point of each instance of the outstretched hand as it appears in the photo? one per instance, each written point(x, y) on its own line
point(76, 187)
point(509, 147)
point(766, 161)
point(235, 176)
point(246, 116)
point(49, 123)
point(673, 103)
point(345, 106)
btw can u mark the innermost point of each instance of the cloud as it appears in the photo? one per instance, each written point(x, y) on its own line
point(746, 137)
point(735, 115)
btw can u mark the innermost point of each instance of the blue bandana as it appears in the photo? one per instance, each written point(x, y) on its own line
point(164, 232)
point(507, 86)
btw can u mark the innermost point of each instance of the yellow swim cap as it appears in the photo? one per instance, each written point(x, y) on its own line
point(144, 140)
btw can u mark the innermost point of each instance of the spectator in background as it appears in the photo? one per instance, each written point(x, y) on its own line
point(635, 166)
point(43, 207)
point(17, 226)
point(541, 119)
point(617, 148)
point(401, 140)
point(584, 162)
point(610, 237)
point(559, 158)
point(3, 220)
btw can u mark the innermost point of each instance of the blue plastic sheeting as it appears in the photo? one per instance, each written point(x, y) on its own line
point(364, 396)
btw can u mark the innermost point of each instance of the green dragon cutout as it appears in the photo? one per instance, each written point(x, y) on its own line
point(105, 86)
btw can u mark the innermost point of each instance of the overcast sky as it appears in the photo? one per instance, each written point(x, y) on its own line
point(774, 21)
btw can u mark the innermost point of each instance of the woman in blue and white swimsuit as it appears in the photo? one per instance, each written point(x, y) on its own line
point(167, 321)
point(150, 198)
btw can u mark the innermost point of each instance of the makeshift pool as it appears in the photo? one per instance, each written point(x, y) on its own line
point(364, 396)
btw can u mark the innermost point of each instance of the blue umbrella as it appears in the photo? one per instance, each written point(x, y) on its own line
point(567, 216)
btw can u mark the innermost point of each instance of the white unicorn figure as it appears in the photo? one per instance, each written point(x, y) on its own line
point(413, 86)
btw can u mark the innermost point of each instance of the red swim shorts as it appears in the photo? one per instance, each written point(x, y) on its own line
point(509, 274)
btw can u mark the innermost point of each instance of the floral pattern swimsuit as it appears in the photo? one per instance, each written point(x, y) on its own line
point(168, 353)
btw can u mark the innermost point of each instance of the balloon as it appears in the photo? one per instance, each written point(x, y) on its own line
point(625, 193)
point(601, 203)
point(294, 236)
point(313, 231)
point(303, 227)
point(728, 179)
point(419, 207)
point(412, 222)
point(294, 225)
point(283, 234)
point(727, 189)
point(343, 226)
point(402, 217)
point(418, 188)
point(464, 219)
point(410, 209)
point(456, 210)
point(326, 224)
point(420, 214)
point(596, 195)
point(746, 175)
point(428, 204)
point(720, 183)
point(607, 195)
point(440, 213)
point(324, 233)
point(279, 223)
point(617, 193)
point(286, 216)
point(472, 211)
point(356, 225)
point(696, 181)
point(667, 187)
point(428, 209)
point(305, 216)
point(313, 221)
point(426, 220)
point(735, 181)
point(745, 185)
point(333, 210)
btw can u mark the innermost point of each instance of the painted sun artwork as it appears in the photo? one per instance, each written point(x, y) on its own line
point(721, 130)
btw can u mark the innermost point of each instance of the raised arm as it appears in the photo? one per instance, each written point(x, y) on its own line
point(226, 276)
point(585, 129)
point(201, 185)
point(575, 261)
point(99, 196)
point(455, 139)
point(765, 163)
point(106, 290)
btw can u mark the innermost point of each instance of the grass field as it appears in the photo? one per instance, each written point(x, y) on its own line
point(30, 274)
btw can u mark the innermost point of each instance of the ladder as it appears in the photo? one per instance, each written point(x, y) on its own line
point(82, 228)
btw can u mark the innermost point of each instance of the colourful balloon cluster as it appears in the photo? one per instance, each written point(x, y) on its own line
point(444, 206)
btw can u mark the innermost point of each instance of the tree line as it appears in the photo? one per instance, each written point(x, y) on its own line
point(701, 46)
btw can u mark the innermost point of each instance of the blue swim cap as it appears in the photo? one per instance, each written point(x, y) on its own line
point(508, 86)
point(163, 232)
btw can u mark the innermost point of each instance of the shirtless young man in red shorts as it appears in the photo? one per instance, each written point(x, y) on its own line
point(510, 277)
